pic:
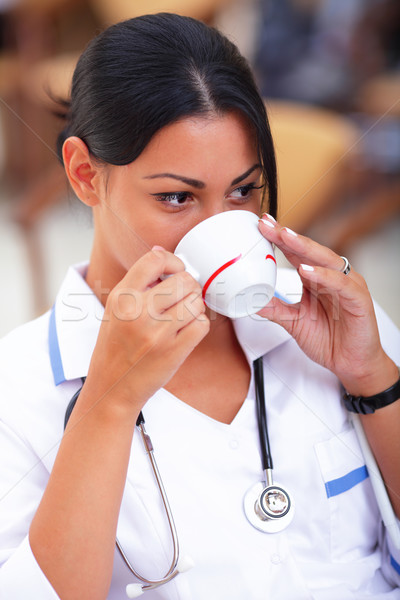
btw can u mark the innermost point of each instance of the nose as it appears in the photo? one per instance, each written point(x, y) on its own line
point(213, 209)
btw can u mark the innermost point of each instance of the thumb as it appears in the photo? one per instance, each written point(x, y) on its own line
point(286, 315)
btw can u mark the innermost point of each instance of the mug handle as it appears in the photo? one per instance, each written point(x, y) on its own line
point(188, 268)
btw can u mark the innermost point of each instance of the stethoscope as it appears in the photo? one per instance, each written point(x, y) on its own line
point(267, 506)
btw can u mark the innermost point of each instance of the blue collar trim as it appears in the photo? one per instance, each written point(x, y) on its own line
point(54, 350)
point(54, 347)
point(395, 564)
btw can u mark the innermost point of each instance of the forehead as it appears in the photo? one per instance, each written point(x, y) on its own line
point(201, 144)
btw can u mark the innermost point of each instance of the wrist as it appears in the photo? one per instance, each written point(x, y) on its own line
point(369, 404)
point(383, 374)
point(108, 406)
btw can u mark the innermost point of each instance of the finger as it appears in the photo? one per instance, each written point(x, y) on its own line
point(298, 248)
point(286, 315)
point(341, 299)
point(353, 291)
point(184, 312)
point(150, 267)
point(325, 286)
point(171, 290)
point(191, 335)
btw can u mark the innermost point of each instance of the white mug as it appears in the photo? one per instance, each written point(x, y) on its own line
point(234, 264)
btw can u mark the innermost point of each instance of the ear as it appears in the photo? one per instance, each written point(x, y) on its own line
point(81, 170)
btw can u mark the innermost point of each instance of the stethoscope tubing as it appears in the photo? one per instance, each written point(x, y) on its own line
point(265, 448)
point(173, 571)
point(266, 459)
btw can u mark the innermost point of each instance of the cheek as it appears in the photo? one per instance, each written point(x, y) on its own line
point(166, 233)
point(146, 235)
point(167, 239)
point(126, 240)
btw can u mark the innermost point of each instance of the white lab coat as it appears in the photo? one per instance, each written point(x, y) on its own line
point(335, 547)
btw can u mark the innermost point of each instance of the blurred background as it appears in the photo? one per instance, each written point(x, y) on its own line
point(329, 71)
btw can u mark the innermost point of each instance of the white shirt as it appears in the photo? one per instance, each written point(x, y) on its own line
point(334, 549)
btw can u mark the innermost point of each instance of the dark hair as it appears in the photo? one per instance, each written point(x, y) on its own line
point(140, 75)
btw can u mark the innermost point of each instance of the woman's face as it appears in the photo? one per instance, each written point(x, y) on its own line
point(190, 170)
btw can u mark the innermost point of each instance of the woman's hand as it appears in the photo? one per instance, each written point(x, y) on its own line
point(149, 328)
point(334, 323)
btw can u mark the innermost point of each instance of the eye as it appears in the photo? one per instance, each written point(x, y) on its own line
point(244, 192)
point(174, 199)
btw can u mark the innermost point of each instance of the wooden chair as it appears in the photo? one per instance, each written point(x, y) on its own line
point(39, 29)
point(379, 198)
point(119, 10)
point(314, 150)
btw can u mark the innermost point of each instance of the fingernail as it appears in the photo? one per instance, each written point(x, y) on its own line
point(290, 231)
point(267, 223)
point(158, 248)
point(307, 267)
point(269, 217)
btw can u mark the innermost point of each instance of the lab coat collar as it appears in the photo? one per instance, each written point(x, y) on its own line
point(75, 321)
point(258, 336)
point(74, 326)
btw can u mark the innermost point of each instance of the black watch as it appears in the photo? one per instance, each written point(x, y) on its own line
point(367, 406)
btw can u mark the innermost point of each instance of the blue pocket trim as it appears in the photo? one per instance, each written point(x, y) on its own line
point(395, 564)
point(342, 484)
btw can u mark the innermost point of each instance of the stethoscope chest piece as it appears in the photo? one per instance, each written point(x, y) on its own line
point(268, 508)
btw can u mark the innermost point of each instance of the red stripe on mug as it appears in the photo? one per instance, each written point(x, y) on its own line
point(217, 272)
point(271, 257)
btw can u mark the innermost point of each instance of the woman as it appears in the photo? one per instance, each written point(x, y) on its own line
point(165, 129)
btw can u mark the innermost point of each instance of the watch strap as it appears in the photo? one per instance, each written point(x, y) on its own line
point(369, 404)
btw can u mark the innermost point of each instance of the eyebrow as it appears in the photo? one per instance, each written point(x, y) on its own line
point(188, 180)
point(200, 184)
point(246, 174)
